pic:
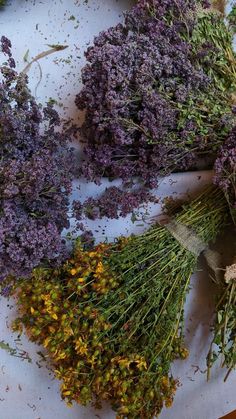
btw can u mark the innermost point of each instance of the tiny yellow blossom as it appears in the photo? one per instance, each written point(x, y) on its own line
point(46, 341)
point(100, 268)
point(73, 272)
point(80, 280)
point(92, 254)
point(61, 355)
point(169, 403)
point(67, 393)
point(81, 347)
point(165, 381)
point(141, 364)
point(52, 329)
point(46, 297)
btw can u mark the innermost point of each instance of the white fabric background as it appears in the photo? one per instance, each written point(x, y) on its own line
point(28, 390)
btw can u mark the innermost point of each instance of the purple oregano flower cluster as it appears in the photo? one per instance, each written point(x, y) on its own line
point(151, 105)
point(225, 171)
point(36, 168)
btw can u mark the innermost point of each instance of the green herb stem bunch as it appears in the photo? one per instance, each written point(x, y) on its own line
point(211, 29)
point(224, 339)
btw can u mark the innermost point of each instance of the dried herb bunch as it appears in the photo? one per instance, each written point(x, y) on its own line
point(212, 42)
point(111, 317)
point(35, 175)
point(157, 91)
point(224, 340)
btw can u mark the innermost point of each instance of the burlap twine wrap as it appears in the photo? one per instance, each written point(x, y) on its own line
point(186, 237)
point(191, 242)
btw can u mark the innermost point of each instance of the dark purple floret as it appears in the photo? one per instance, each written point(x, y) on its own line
point(6, 46)
point(77, 208)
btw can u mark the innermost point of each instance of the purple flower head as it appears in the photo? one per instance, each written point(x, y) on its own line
point(6, 46)
point(36, 171)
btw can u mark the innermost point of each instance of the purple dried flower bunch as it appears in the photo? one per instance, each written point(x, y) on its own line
point(156, 92)
point(225, 171)
point(36, 170)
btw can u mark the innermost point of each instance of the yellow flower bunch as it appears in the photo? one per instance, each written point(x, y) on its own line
point(59, 309)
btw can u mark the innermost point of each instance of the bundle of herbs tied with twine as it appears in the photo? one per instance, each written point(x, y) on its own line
point(111, 317)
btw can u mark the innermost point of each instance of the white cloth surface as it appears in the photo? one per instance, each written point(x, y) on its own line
point(30, 392)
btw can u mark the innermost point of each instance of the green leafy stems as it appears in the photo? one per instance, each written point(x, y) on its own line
point(224, 338)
